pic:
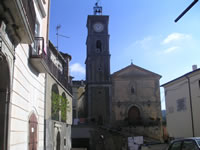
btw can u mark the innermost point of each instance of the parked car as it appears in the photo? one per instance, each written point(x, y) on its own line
point(185, 144)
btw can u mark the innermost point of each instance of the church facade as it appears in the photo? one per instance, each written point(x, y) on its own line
point(136, 101)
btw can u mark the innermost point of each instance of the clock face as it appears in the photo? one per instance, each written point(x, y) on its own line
point(98, 27)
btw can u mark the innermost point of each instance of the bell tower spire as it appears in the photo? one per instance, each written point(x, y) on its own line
point(97, 9)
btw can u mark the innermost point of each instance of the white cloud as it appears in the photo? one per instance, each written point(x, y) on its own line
point(175, 37)
point(77, 68)
point(171, 49)
point(144, 43)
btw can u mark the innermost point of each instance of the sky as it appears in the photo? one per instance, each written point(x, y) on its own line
point(143, 31)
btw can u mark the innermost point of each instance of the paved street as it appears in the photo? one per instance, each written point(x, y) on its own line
point(155, 147)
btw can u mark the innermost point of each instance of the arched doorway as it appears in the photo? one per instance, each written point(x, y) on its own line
point(134, 115)
point(4, 101)
point(58, 141)
point(33, 132)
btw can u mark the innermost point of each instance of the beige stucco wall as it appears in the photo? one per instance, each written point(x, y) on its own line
point(28, 95)
point(144, 92)
point(179, 122)
point(146, 97)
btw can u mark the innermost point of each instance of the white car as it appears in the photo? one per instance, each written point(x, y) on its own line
point(192, 143)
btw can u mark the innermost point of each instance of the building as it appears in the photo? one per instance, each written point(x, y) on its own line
point(98, 88)
point(58, 116)
point(136, 101)
point(182, 105)
point(22, 86)
point(79, 104)
point(116, 106)
point(35, 87)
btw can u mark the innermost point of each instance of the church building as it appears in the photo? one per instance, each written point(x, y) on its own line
point(117, 106)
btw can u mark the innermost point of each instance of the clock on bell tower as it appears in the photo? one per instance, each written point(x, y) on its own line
point(98, 67)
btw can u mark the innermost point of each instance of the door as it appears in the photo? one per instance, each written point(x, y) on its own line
point(58, 141)
point(133, 115)
point(33, 132)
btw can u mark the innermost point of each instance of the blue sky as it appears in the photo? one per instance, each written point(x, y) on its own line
point(141, 30)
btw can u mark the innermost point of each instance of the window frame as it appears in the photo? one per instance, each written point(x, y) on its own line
point(170, 147)
point(193, 141)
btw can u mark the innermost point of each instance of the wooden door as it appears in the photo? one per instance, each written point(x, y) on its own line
point(33, 132)
point(133, 115)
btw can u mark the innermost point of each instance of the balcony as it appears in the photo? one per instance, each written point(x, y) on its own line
point(38, 57)
point(20, 18)
point(43, 63)
point(61, 75)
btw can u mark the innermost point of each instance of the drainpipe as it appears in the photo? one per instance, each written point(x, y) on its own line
point(191, 110)
point(45, 101)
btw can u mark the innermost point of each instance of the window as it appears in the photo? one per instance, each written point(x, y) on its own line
point(63, 108)
point(181, 104)
point(198, 141)
point(65, 142)
point(99, 68)
point(37, 29)
point(199, 83)
point(98, 46)
point(132, 90)
point(189, 145)
point(37, 42)
point(55, 103)
point(175, 146)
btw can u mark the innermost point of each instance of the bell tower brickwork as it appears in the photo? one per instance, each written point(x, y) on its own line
point(98, 87)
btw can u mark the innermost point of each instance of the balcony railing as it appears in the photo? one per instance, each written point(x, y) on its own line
point(38, 57)
point(41, 61)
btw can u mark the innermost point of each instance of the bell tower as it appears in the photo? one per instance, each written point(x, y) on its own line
point(98, 67)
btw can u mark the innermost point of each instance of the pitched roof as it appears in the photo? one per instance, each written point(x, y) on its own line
point(132, 66)
point(185, 75)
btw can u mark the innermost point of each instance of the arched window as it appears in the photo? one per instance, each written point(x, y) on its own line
point(134, 115)
point(33, 132)
point(63, 108)
point(55, 103)
point(98, 46)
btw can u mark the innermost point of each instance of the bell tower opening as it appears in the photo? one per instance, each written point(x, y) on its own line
point(98, 46)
